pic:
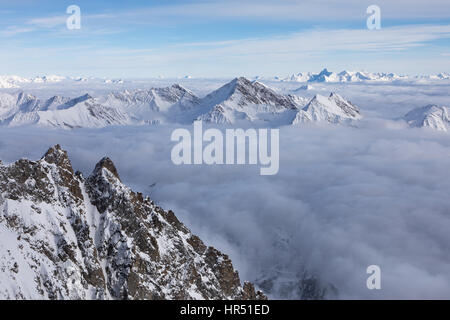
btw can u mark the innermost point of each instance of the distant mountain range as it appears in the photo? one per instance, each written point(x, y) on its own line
point(239, 101)
point(13, 81)
point(357, 76)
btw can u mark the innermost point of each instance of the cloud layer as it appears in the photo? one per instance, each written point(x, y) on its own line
point(344, 199)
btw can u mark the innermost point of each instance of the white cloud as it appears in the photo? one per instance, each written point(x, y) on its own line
point(310, 11)
point(272, 55)
point(344, 199)
point(48, 22)
point(388, 48)
point(12, 31)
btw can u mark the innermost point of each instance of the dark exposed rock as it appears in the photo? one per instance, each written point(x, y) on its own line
point(95, 238)
point(106, 163)
point(249, 292)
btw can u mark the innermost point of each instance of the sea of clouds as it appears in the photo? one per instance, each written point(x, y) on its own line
point(343, 199)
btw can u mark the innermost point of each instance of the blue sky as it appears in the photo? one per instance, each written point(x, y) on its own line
point(203, 38)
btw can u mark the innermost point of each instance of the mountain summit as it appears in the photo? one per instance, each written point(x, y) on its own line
point(430, 116)
point(332, 109)
point(242, 99)
point(67, 237)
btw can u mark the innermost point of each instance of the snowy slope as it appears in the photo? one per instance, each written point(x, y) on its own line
point(242, 99)
point(66, 237)
point(86, 113)
point(154, 105)
point(324, 76)
point(20, 106)
point(24, 109)
point(333, 109)
point(15, 108)
point(430, 116)
point(129, 107)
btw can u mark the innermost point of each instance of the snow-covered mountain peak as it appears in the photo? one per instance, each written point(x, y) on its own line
point(66, 237)
point(227, 90)
point(106, 163)
point(48, 78)
point(336, 96)
point(430, 116)
point(59, 157)
point(242, 99)
point(241, 81)
point(177, 86)
point(323, 76)
point(332, 109)
point(325, 72)
point(23, 96)
point(238, 100)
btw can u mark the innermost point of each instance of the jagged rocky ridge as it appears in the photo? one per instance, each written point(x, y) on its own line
point(67, 237)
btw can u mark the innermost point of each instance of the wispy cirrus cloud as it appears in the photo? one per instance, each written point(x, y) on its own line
point(297, 10)
point(14, 30)
point(47, 22)
point(308, 11)
point(392, 38)
point(306, 50)
point(235, 37)
point(54, 21)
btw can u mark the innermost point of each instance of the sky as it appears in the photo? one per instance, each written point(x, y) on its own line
point(204, 38)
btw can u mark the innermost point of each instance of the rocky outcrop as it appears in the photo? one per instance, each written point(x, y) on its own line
point(67, 237)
